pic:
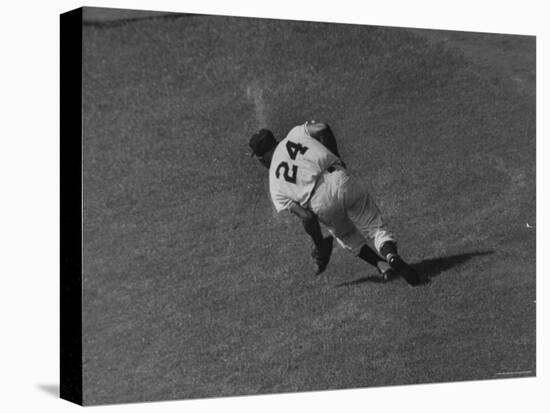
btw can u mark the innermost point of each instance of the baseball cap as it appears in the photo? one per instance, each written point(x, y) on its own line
point(262, 142)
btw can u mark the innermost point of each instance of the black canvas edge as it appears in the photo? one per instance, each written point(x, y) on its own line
point(71, 206)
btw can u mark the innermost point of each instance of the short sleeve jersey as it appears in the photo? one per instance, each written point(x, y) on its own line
point(297, 162)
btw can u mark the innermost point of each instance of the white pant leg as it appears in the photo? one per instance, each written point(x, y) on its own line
point(365, 214)
point(328, 204)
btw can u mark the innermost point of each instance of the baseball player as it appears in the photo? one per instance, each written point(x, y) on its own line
point(308, 178)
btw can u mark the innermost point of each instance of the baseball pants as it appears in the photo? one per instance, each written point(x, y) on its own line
point(348, 211)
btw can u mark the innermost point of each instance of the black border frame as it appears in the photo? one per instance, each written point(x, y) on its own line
point(71, 206)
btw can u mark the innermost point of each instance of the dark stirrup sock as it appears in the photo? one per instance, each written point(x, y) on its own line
point(388, 247)
point(369, 255)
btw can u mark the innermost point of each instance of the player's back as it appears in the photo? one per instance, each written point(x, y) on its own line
point(297, 162)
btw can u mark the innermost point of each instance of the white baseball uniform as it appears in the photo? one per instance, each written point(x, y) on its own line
point(304, 171)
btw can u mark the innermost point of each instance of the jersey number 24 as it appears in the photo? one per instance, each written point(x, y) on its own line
point(293, 150)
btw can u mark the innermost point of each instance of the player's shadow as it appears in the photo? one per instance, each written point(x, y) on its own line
point(429, 268)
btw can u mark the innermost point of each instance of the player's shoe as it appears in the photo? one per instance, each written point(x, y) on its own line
point(385, 271)
point(405, 270)
point(322, 258)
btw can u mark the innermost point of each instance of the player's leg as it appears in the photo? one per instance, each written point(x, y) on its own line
point(322, 247)
point(368, 255)
point(313, 229)
point(356, 244)
point(386, 245)
point(321, 204)
point(366, 216)
point(328, 205)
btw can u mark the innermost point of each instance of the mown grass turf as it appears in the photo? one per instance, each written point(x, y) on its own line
point(194, 287)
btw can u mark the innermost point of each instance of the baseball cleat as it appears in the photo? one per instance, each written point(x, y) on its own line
point(405, 270)
point(385, 271)
point(322, 258)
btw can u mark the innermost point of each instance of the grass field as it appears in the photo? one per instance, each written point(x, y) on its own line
point(194, 287)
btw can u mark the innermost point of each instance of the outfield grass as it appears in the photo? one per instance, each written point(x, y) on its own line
point(194, 287)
